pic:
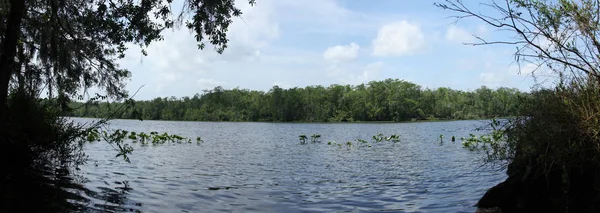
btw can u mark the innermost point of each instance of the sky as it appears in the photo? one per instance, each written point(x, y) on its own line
point(293, 43)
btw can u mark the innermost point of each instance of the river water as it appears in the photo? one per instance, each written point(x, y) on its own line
point(262, 167)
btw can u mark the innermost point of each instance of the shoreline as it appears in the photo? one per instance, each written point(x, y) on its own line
point(313, 122)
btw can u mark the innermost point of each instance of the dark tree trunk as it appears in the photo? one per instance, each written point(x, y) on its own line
point(9, 49)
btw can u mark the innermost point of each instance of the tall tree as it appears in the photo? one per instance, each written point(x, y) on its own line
point(69, 45)
point(552, 151)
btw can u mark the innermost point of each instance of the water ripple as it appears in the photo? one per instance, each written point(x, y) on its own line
point(261, 167)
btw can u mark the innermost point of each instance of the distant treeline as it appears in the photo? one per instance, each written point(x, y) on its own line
point(388, 100)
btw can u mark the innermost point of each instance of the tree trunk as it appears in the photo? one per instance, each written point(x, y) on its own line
point(9, 49)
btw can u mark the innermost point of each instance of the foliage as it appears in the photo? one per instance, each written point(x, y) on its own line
point(302, 138)
point(118, 137)
point(394, 138)
point(388, 100)
point(555, 140)
point(37, 137)
point(377, 138)
point(315, 138)
point(65, 46)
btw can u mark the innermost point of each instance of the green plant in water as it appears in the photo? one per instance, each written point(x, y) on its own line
point(394, 138)
point(199, 140)
point(93, 135)
point(348, 143)
point(132, 136)
point(378, 137)
point(143, 137)
point(315, 137)
point(302, 138)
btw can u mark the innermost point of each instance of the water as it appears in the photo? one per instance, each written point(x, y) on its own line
point(262, 167)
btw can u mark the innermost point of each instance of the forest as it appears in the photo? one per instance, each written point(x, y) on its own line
point(387, 100)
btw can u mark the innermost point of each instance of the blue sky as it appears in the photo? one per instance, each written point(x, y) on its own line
point(321, 42)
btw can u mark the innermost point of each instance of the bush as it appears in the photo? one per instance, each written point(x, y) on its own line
point(34, 135)
point(552, 151)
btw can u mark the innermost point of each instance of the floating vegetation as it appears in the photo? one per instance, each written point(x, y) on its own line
point(394, 138)
point(132, 136)
point(485, 142)
point(379, 137)
point(120, 135)
point(315, 137)
point(302, 138)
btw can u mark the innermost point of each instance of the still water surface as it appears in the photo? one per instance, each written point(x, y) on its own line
point(262, 167)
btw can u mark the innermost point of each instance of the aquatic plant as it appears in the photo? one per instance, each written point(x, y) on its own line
point(302, 138)
point(93, 135)
point(132, 136)
point(378, 137)
point(487, 142)
point(118, 137)
point(315, 137)
point(394, 138)
point(143, 137)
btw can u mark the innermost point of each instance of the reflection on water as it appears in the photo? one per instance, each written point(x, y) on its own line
point(261, 167)
point(57, 190)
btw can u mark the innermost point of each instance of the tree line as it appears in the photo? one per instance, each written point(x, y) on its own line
point(387, 100)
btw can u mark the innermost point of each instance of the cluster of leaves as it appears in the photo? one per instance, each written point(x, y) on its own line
point(66, 46)
point(119, 136)
point(379, 137)
point(555, 141)
point(387, 100)
point(313, 138)
point(493, 144)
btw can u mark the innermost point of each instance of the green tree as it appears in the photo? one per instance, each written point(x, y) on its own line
point(387, 100)
point(74, 44)
point(551, 150)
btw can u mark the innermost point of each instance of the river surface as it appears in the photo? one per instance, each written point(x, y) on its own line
point(262, 167)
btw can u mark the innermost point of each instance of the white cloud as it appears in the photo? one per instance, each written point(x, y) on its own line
point(526, 75)
point(341, 53)
point(491, 77)
point(177, 58)
point(288, 43)
point(334, 70)
point(399, 38)
point(364, 75)
point(458, 35)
